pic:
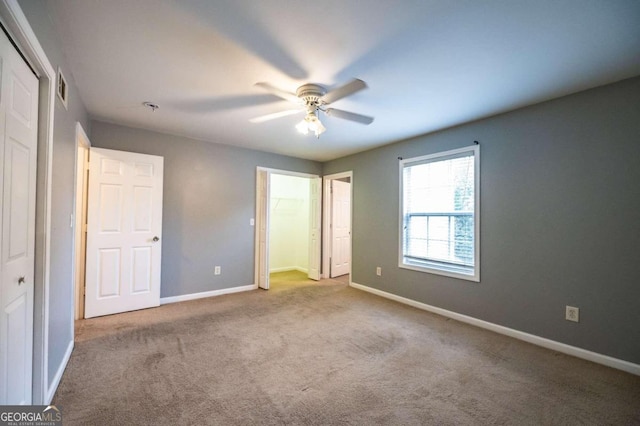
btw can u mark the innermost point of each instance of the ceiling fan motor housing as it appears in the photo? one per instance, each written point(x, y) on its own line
point(311, 93)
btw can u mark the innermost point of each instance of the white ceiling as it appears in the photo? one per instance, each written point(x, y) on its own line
point(429, 64)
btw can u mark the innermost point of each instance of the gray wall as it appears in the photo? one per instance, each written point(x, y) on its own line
point(560, 220)
point(209, 198)
point(61, 301)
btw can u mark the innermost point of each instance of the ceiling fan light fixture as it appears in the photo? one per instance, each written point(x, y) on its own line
point(303, 127)
point(311, 123)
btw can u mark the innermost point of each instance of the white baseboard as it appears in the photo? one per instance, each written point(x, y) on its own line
point(193, 296)
point(289, 268)
point(619, 364)
point(53, 386)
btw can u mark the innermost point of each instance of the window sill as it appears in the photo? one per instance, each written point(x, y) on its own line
point(444, 270)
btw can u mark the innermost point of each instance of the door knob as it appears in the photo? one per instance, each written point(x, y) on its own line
point(156, 239)
point(20, 280)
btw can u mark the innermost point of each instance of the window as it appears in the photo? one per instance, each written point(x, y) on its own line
point(439, 206)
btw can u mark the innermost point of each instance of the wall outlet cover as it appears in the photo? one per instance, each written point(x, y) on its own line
point(572, 314)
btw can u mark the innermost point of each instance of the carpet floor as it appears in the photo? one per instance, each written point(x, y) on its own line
point(322, 353)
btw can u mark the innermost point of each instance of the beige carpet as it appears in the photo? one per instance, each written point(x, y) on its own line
point(306, 353)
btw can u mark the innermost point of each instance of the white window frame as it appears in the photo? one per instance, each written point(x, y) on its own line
point(435, 268)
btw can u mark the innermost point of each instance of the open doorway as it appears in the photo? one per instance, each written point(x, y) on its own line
point(288, 224)
point(336, 246)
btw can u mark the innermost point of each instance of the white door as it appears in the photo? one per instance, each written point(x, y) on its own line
point(262, 190)
point(124, 227)
point(340, 228)
point(315, 222)
point(18, 146)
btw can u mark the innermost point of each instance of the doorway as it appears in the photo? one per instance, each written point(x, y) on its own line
point(118, 199)
point(336, 243)
point(288, 224)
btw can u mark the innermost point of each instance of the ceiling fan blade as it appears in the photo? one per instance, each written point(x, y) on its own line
point(275, 115)
point(353, 86)
point(291, 97)
point(352, 116)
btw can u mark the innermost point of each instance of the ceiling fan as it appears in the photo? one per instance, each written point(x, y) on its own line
point(313, 98)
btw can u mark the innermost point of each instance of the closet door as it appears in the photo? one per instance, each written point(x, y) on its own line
point(18, 147)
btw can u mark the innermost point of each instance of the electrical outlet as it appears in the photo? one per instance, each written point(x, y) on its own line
point(378, 271)
point(572, 314)
point(216, 271)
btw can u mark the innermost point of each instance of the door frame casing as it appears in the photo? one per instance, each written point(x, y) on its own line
point(82, 143)
point(19, 29)
point(259, 218)
point(326, 223)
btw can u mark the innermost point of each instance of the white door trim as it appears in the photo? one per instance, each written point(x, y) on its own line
point(82, 143)
point(21, 33)
point(261, 258)
point(326, 214)
point(259, 218)
point(314, 271)
point(288, 172)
